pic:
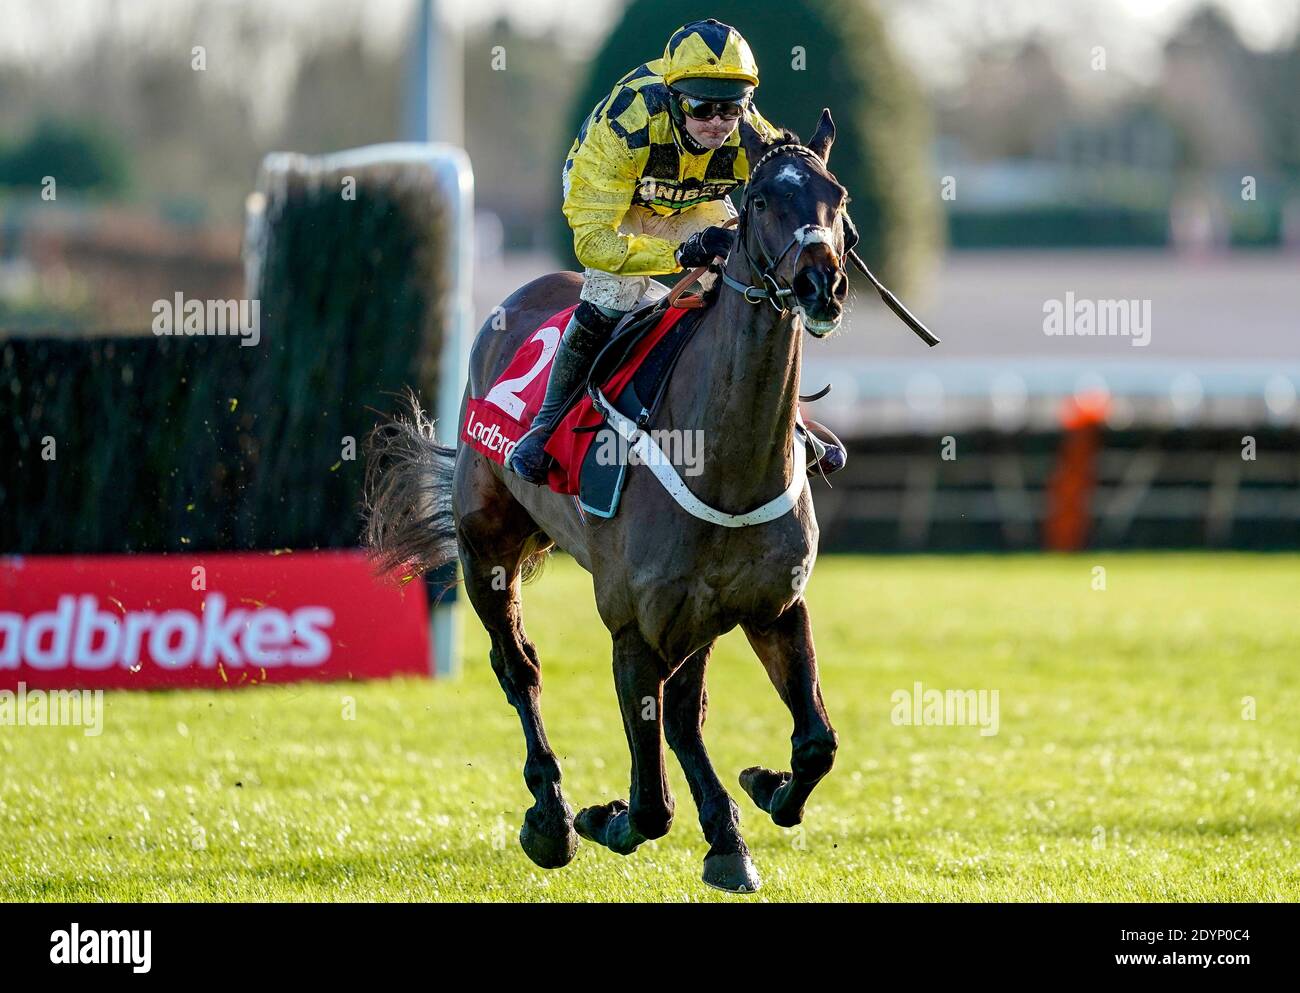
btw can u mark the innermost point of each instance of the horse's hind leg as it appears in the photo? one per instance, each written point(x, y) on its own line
point(686, 702)
point(495, 536)
point(786, 651)
point(639, 674)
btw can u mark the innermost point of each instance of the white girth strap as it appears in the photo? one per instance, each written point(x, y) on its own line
point(654, 459)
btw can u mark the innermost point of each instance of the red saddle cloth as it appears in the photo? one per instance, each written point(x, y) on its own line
point(495, 422)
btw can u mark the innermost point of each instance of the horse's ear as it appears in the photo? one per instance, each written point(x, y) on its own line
point(824, 137)
point(752, 142)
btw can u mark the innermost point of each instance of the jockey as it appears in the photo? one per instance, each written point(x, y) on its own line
point(645, 191)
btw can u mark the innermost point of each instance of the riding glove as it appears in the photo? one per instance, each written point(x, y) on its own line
point(700, 248)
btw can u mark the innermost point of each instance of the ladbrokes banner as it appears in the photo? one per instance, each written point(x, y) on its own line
point(205, 620)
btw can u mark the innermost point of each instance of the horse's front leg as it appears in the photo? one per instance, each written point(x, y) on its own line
point(786, 650)
point(727, 865)
point(639, 675)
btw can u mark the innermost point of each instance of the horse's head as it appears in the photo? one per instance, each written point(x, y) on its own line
point(791, 226)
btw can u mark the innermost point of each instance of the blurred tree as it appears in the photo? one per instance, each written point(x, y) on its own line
point(1277, 83)
point(1011, 105)
point(1209, 87)
point(518, 90)
point(828, 53)
point(345, 96)
point(17, 98)
point(77, 155)
point(194, 139)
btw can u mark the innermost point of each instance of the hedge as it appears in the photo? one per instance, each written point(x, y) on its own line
point(173, 443)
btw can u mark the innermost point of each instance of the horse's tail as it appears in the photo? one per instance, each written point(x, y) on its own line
point(407, 499)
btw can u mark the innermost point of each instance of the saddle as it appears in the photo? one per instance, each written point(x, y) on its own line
point(632, 371)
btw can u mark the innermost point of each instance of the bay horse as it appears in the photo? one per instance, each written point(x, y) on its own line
point(667, 583)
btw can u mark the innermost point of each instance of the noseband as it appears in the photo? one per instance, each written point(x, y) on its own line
point(770, 286)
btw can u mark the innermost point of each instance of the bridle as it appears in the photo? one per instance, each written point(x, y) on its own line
point(770, 286)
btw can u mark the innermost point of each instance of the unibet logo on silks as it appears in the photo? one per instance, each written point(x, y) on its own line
point(79, 634)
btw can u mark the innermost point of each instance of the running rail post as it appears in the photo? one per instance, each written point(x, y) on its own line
point(456, 179)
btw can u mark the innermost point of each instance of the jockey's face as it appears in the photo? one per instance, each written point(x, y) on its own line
point(712, 133)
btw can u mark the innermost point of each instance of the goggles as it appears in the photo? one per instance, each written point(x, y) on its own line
point(706, 110)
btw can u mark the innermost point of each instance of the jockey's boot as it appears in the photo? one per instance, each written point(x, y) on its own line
point(588, 330)
point(832, 461)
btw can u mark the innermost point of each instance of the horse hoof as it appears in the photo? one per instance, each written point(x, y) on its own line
point(761, 785)
point(593, 822)
point(550, 851)
point(733, 872)
point(609, 825)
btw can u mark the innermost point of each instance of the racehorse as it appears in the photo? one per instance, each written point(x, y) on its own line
point(667, 583)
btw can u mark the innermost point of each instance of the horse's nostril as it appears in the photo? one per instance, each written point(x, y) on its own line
point(840, 288)
point(805, 284)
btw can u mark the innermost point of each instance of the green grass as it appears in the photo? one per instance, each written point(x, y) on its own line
point(1122, 768)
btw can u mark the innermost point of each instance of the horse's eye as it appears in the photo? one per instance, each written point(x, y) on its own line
point(760, 203)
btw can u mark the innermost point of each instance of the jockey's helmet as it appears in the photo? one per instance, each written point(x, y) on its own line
point(710, 60)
